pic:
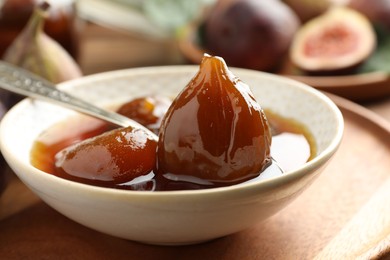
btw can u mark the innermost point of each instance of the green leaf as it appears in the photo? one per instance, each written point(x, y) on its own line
point(380, 59)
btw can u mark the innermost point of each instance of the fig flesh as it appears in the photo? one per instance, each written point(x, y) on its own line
point(214, 131)
point(250, 33)
point(334, 43)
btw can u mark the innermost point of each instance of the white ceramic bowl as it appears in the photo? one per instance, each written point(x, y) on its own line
point(170, 217)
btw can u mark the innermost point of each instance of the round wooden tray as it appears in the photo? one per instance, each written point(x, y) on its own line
point(359, 87)
point(344, 214)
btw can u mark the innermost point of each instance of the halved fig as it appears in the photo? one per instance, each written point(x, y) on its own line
point(336, 42)
point(214, 131)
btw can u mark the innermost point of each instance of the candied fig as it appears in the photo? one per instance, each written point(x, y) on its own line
point(148, 111)
point(334, 43)
point(114, 157)
point(250, 33)
point(214, 131)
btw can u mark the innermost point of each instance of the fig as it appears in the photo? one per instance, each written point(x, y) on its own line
point(35, 51)
point(62, 24)
point(250, 33)
point(378, 11)
point(148, 111)
point(114, 157)
point(336, 42)
point(214, 131)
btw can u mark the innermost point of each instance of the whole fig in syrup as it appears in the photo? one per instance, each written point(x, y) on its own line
point(214, 132)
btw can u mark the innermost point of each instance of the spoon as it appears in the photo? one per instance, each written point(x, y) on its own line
point(22, 82)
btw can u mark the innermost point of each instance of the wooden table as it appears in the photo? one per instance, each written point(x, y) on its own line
point(28, 226)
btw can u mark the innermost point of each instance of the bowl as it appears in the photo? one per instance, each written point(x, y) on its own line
point(170, 217)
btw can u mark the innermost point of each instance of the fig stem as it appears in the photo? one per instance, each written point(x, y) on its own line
point(37, 19)
point(44, 6)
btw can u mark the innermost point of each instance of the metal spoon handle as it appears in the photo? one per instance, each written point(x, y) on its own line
point(20, 81)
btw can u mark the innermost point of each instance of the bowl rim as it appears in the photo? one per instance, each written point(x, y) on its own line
point(251, 187)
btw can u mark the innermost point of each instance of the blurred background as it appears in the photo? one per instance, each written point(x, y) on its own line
point(142, 33)
point(152, 26)
point(106, 35)
point(337, 46)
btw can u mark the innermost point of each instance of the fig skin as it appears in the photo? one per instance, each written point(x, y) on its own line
point(250, 33)
point(114, 157)
point(335, 43)
point(214, 130)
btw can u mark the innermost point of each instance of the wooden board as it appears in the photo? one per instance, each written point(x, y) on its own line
point(343, 215)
